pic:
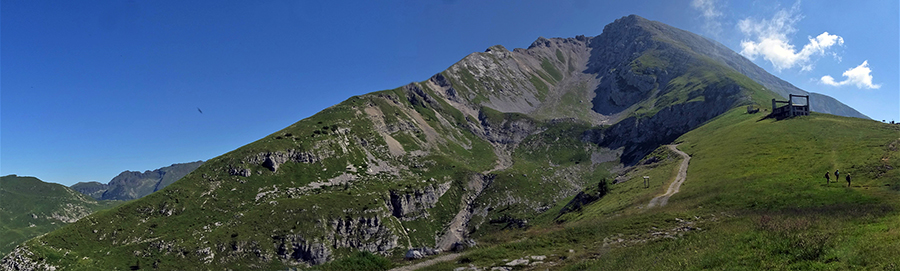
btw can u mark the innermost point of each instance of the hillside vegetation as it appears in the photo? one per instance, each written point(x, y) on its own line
point(30, 207)
point(755, 198)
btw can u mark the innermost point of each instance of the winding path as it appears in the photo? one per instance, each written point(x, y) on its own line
point(442, 258)
point(676, 185)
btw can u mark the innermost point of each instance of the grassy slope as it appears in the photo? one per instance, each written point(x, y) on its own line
point(20, 197)
point(760, 202)
point(216, 208)
point(211, 209)
point(702, 77)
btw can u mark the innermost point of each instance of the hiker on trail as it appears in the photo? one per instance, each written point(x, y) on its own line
point(827, 177)
point(837, 175)
point(848, 180)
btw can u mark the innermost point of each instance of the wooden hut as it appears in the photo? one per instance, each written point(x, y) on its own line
point(791, 108)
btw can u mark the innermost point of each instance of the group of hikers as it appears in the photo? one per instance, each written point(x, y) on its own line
point(837, 177)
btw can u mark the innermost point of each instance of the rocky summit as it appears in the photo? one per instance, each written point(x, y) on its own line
point(487, 145)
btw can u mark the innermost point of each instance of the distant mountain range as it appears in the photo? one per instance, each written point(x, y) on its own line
point(130, 185)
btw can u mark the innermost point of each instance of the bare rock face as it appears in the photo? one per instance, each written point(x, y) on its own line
point(417, 97)
point(640, 136)
point(297, 248)
point(506, 131)
point(444, 83)
point(242, 249)
point(410, 205)
point(363, 233)
point(70, 213)
point(245, 172)
point(23, 259)
point(272, 160)
point(418, 253)
point(455, 237)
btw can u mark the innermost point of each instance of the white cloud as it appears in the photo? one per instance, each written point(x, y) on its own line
point(710, 13)
point(828, 80)
point(769, 39)
point(860, 76)
point(707, 8)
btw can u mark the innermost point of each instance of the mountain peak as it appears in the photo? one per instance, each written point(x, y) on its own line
point(628, 21)
point(541, 41)
point(632, 19)
point(496, 48)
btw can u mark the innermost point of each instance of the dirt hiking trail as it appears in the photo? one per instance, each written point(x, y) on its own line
point(442, 258)
point(676, 185)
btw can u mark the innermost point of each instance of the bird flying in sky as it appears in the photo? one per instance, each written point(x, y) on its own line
point(201, 111)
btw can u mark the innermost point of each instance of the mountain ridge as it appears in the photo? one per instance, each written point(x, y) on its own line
point(130, 185)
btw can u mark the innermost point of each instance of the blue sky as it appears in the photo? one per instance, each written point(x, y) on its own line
point(89, 89)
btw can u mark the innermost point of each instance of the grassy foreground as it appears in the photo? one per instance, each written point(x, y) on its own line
point(755, 198)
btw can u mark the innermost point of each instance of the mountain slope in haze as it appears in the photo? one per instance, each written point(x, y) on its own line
point(491, 143)
point(130, 185)
point(30, 207)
